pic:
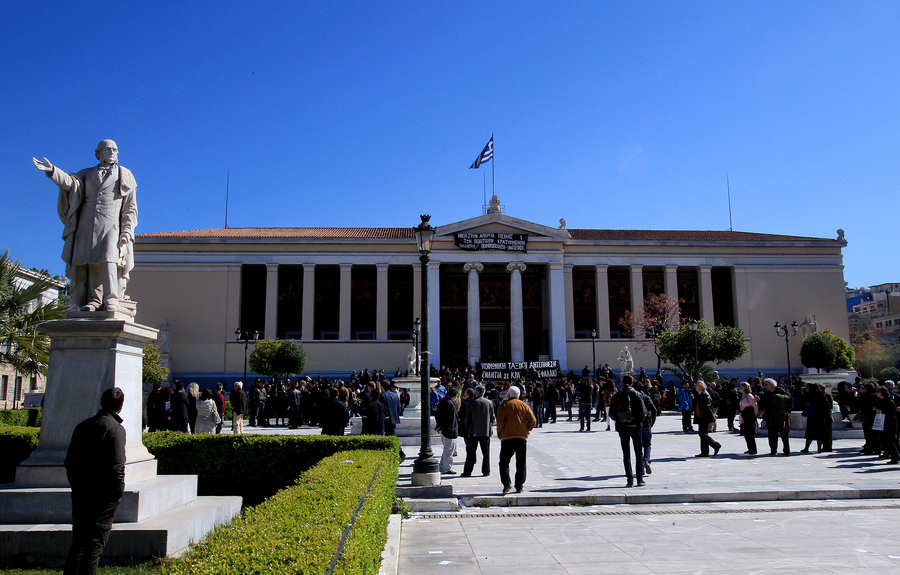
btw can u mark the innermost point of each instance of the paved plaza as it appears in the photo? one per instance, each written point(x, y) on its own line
point(816, 513)
point(804, 514)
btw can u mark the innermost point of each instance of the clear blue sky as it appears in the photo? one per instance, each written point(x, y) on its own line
point(611, 115)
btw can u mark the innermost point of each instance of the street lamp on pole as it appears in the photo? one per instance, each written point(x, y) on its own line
point(594, 352)
point(695, 326)
point(416, 330)
point(782, 331)
point(244, 337)
point(425, 468)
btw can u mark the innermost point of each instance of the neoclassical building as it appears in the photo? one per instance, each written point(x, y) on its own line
point(500, 289)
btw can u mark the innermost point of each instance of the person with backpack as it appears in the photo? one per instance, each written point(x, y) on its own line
point(627, 409)
point(649, 420)
point(705, 420)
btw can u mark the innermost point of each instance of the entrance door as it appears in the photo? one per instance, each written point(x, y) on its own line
point(492, 338)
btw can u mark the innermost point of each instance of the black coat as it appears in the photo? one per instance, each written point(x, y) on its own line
point(179, 406)
point(95, 460)
point(445, 419)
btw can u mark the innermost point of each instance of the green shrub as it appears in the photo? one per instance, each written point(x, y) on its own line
point(817, 352)
point(299, 529)
point(252, 466)
point(30, 417)
point(16, 444)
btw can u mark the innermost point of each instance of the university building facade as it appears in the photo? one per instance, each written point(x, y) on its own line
point(500, 289)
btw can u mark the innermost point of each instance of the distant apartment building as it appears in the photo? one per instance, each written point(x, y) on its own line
point(875, 307)
point(13, 385)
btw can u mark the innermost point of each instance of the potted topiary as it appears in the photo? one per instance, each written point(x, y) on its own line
point(826, 352)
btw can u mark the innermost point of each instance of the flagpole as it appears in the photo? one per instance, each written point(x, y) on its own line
point(493, 161)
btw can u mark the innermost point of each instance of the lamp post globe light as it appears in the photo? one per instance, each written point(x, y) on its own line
point(425, 467)
point(782, 331)
point(695, 325)
point(244, 337)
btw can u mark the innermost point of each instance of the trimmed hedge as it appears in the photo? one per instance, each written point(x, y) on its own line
point(252, 466)
point(299, 529)
point(16, 444)
point(30, 417)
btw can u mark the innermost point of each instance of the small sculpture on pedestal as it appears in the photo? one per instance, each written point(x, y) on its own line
point(627, 361)
point(413, 361)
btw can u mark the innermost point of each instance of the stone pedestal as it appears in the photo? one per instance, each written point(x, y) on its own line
point(160, 515)
point(88, 356)
point(414, 384)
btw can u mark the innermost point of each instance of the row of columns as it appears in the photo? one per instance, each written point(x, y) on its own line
point(670, 287)
point(344, 323)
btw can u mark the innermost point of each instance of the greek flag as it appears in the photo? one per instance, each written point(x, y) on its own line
point(485, 156)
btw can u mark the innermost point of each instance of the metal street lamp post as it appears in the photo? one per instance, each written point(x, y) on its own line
point(782, 331)
point(426, 463)
point(594, 352)
point(695, 325)
point(417, 328)
point(244, 337)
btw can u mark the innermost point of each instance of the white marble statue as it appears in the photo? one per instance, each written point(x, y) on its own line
point(413, 362)
point(165, 332)
point(627, 361)
point(494, 205)
point(98, 210)
point(809, 325)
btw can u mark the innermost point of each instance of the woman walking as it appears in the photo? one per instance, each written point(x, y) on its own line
point(749, 411)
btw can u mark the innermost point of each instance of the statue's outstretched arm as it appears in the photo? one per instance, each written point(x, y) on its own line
point(44, 166)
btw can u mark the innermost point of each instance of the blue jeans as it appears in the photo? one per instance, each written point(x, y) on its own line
point(632, 434)
point(539, 413)
point(584, 415)
point(256, 413)
point(646, 438)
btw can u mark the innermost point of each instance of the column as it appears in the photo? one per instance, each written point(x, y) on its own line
point(670, 286)
point(434, 312)
point(739, 278)
point(345, 305)
point(704, 276)
point(557, 296)
point(569, 304)
point(637, 294)
point(381, 301)
point(417, 293)
point(473, 322)
point(271, 325)
point(601, 294)
point(309, 302)
point(516, 320)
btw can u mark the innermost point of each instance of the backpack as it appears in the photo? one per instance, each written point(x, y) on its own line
point(625, 414)
point(713, 397)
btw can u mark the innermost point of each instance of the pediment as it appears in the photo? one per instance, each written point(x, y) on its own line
point(502, 224)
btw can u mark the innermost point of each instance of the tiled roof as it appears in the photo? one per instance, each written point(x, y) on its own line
point(583, 234)
point(288, 233)
point(682, 236)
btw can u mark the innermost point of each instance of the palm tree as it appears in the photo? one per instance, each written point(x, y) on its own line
point(22, 309)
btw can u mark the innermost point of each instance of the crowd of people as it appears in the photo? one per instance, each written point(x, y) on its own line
point(464, 407)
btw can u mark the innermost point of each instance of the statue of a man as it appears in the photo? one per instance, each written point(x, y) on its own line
point(413, 361)
point(626, 360)
point(98, 210)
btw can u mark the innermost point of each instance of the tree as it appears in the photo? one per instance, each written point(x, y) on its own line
point(276, 358)
point(660, 312)
point(289, 359)
point(827, 351)
point(262, 355)
point(716, 345)
point(153, 371)
point(22, 309)
point(874, 349)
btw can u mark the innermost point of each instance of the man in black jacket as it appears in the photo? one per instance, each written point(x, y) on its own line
point(447, 424)
point(627, 409)
point(95, 468)
point(179, 408)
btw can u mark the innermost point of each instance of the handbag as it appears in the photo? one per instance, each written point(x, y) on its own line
point(878, 422)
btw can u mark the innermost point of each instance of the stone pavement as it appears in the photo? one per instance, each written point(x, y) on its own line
point(816, 513)
point(567, 466)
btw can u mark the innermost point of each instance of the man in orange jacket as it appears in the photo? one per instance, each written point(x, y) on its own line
point(514, 421)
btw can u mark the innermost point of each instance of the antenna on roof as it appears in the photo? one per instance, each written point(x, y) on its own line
point(728, 184)
point(227, 181)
